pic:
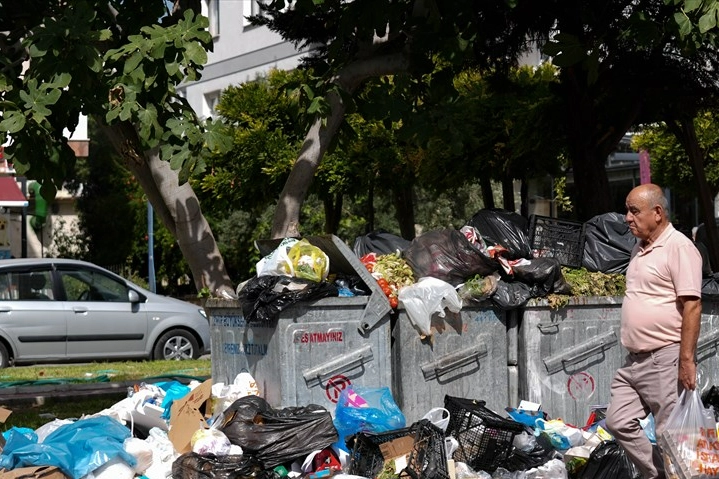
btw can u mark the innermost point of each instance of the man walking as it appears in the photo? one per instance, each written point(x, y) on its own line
point(661, 314)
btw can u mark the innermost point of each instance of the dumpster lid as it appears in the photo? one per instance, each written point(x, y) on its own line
point(343, 260)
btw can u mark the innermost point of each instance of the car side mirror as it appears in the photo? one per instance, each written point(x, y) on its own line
point(133, 296)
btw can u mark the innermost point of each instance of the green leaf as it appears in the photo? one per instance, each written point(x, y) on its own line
point(708, 21)
point(691, 5)
point(12, 122)
point(195, 53)
point(132, 62)
point(172, 68)
point(315, 106)
point(60, 81)
point(685, 25)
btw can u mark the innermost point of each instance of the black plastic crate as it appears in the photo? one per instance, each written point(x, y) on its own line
point(554, 238)
point(427, 460)
point(484, 437)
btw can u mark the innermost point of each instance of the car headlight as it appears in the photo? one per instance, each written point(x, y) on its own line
point(203, 313)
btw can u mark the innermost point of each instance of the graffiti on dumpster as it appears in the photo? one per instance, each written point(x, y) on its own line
point(228, 321)
point(331, 336)
point(581, 386)
point(246, 349)
point(334, 387)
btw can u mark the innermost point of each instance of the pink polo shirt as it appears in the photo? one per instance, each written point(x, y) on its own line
point(651, 315)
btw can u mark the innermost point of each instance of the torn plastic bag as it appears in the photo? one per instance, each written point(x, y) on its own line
point(195, 466)
point(380, 242)
point(277, 263)
point(76, 448)
point(427, 297)
point(511, 295)
point(505, 228)
point(608, 243)
point(446, 254)
point(277, 436)
point(609, 461)
point(264, 297)
point(542, 275)
point(363, 409)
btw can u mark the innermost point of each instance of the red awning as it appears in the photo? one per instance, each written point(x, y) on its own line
point(10, 194)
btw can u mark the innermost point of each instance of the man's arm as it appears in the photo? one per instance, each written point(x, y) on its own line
point(691, 322)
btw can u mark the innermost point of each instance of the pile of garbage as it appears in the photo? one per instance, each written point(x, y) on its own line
point(228, 431)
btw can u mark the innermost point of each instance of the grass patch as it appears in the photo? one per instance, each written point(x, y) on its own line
point(103, 372)
point(35, 413)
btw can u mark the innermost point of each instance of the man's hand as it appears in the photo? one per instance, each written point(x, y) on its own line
point(688, 374)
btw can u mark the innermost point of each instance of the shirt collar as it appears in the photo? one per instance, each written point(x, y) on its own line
point(660, 241)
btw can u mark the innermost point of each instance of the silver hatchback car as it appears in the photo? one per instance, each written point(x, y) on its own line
point(60, 310)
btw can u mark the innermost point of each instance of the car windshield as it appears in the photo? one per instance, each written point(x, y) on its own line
point(88, 285)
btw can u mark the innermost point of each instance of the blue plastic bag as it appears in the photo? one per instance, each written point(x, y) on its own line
point(173, 390)
point(361, 409)
point(77, 448)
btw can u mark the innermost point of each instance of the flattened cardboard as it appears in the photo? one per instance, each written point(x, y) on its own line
point(36, 472)
point(397, 447)
point(187, 415)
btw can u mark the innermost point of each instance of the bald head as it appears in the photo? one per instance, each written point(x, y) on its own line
point(647, 212)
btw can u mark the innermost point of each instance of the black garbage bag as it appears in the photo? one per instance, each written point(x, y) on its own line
point(505, 228)
point(711, 398)
point(609, 461)
point(543, 276)
point(710, 288)
point(380, 242)
point(195, 466)
point(448, 255)
point(277, 436)
point(264, 297)
point(511, 295)
point(608, 243)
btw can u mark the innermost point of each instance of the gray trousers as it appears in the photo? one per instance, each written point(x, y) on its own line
point(648, 382)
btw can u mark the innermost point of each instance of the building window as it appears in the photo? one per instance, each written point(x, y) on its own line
point(211, 9)
point(211, 101)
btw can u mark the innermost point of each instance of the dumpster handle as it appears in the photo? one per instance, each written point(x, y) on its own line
point(453, 361)
point(315, 376)
point(706, 341)
point(581, 352)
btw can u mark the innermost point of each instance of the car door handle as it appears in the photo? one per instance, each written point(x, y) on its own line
point(79, 309)
point(5, 309)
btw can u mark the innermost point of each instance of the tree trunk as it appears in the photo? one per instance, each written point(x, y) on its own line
point(508, 192)
point(485, 183)
point(177, 207)
point(591, 185)
point(404, 208)
point(333, 212)
point(286, 221)
point(686, 134)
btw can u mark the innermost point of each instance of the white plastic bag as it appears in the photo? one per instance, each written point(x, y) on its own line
point(689, 440)
point(426, 297)
point(278, 262)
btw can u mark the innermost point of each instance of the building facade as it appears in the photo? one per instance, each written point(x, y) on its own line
point(241, 53)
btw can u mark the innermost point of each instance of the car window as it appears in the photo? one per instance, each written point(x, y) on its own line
point(26, 285)
point(88, 285)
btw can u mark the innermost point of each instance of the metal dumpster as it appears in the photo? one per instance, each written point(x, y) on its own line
point(568, 356)
point(316, 348)
point(471, 354)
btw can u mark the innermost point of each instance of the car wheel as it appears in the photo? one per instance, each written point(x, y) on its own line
point(4, 356)
point(176, 344)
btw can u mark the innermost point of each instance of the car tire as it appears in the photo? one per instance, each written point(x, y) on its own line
point(176, 344)
point(4, 357)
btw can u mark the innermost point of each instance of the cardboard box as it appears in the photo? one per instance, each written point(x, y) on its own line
point(188, 414)
point(37, 472)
